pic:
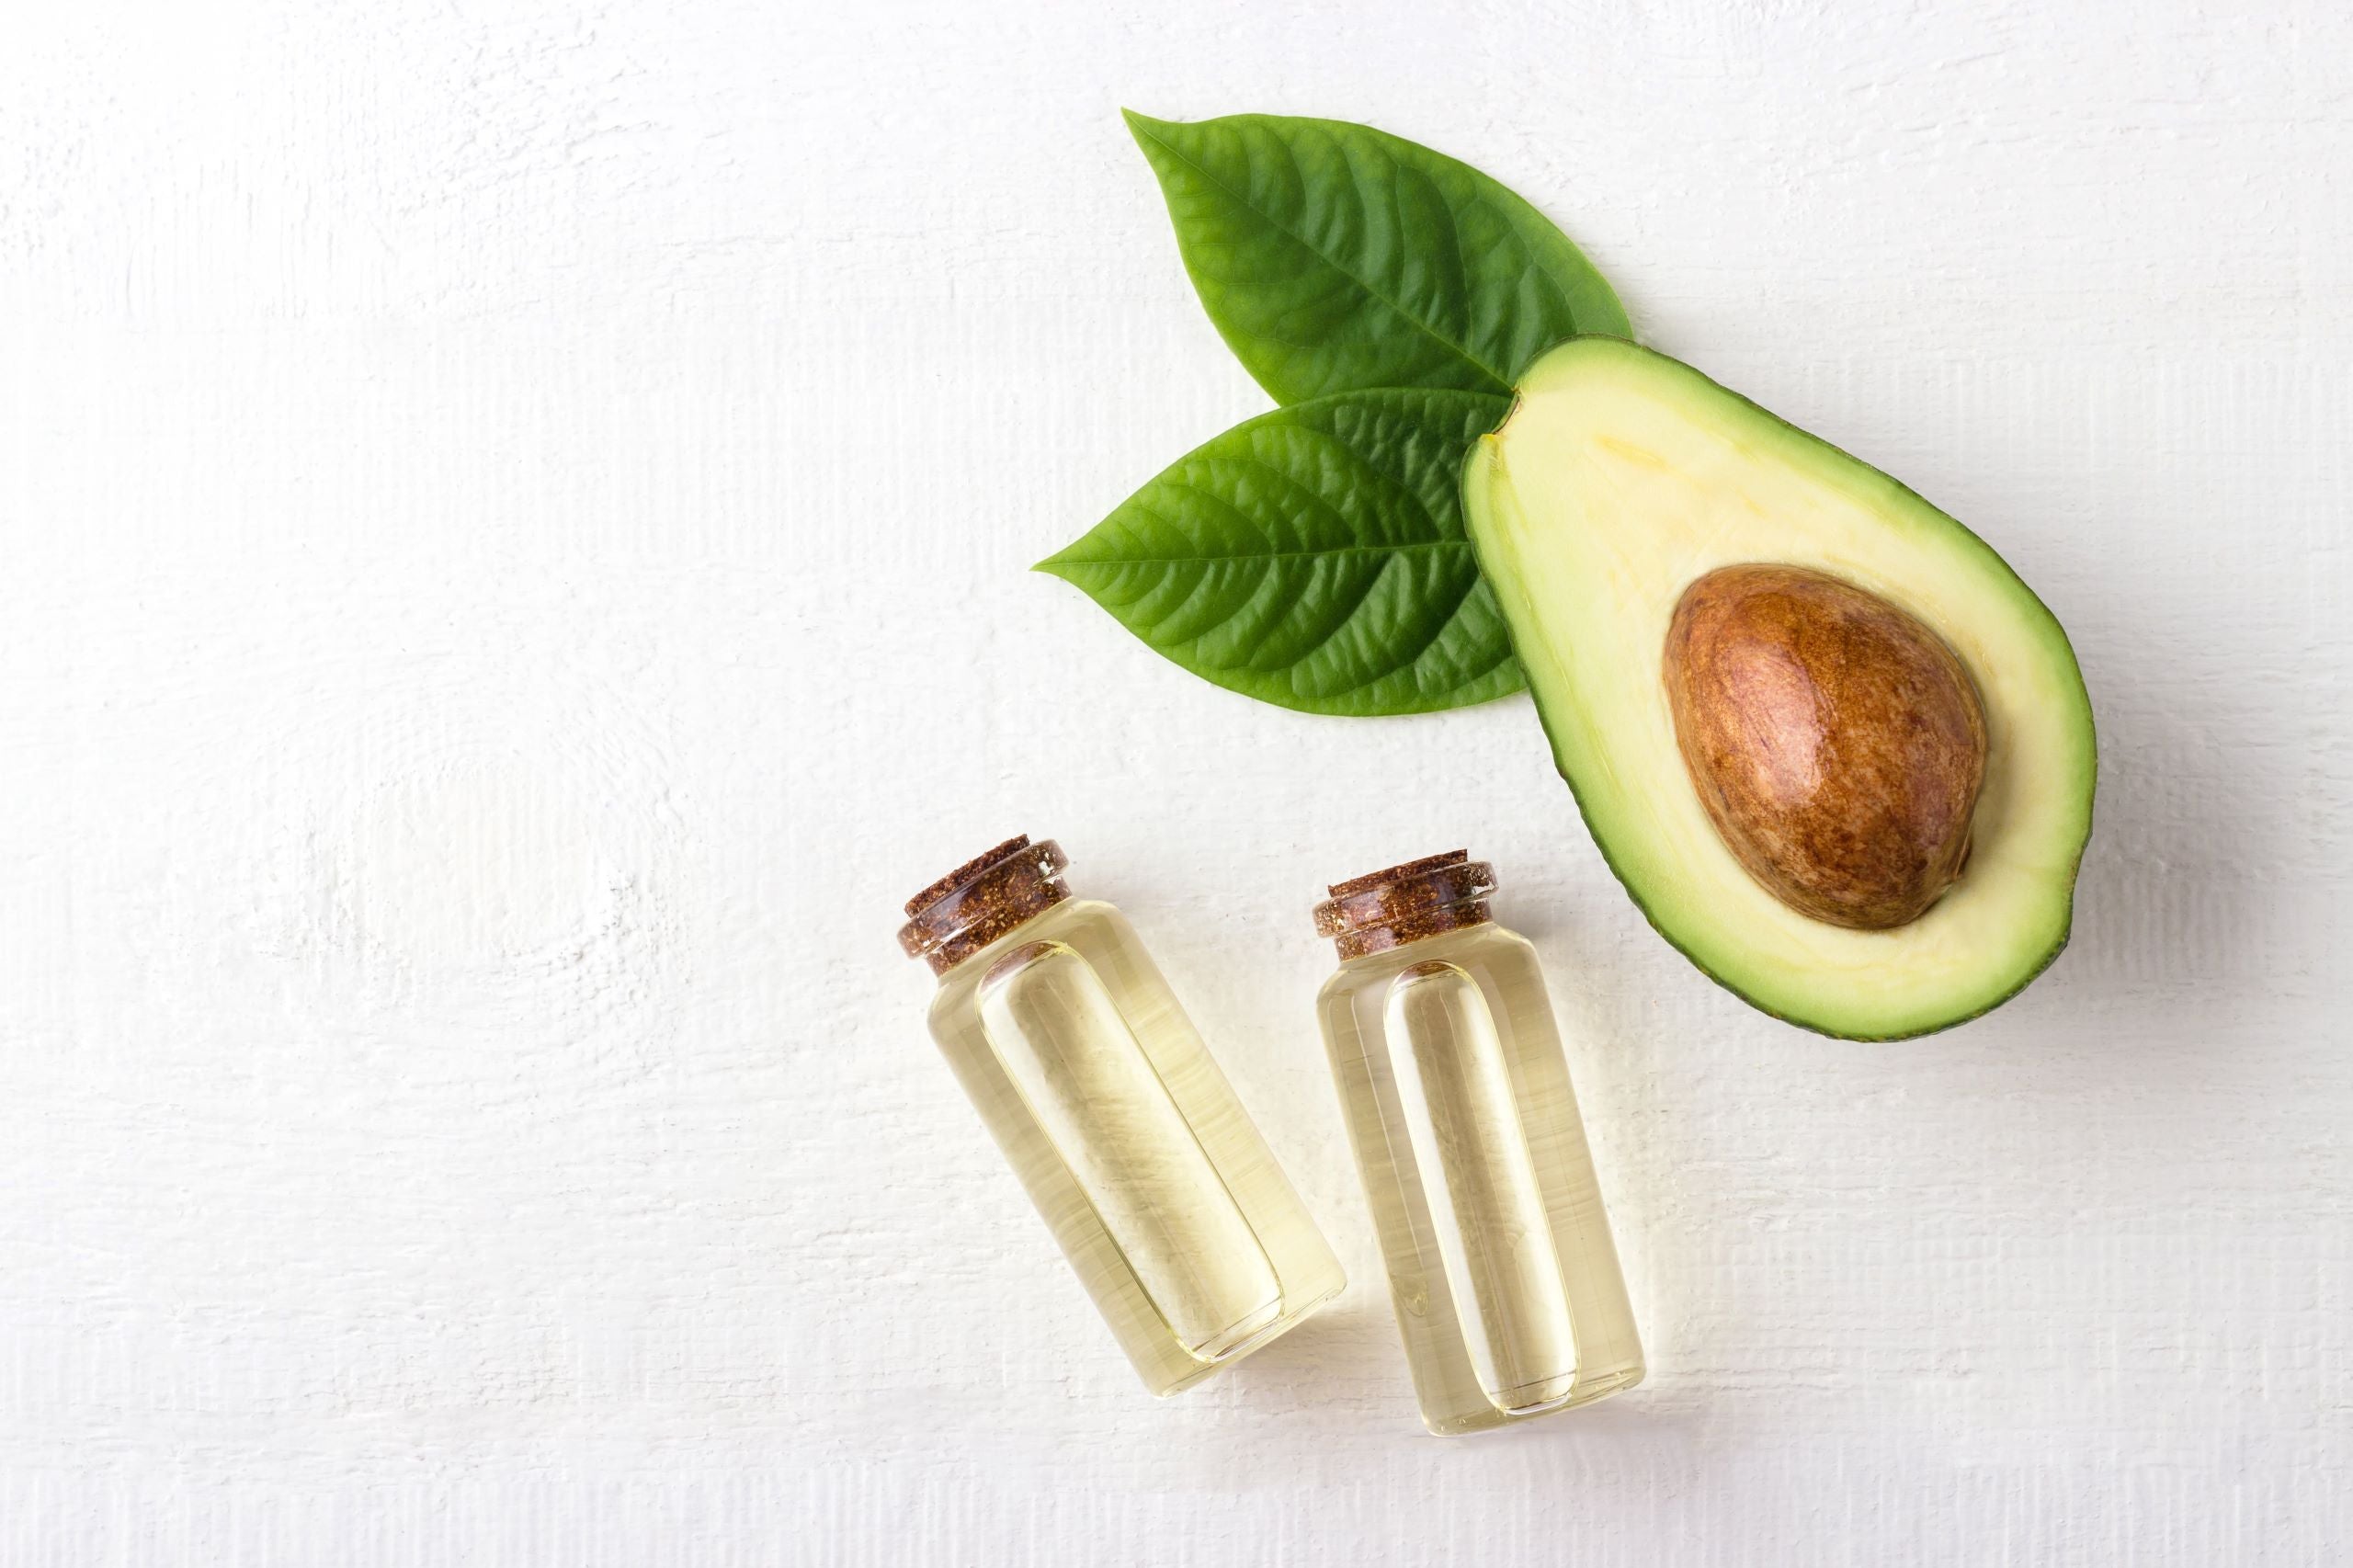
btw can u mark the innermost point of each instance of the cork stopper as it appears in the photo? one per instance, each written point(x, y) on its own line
point(1405, 904)
point(981, 900)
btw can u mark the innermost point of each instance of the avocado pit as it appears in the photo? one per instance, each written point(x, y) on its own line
point(1836, 743)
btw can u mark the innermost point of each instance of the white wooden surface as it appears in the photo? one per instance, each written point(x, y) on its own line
point(515, 520)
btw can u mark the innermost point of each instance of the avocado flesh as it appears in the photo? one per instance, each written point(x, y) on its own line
point(1620, 477)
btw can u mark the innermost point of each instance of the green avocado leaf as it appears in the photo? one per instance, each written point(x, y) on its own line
point(1334, 257)
point(1313, 557)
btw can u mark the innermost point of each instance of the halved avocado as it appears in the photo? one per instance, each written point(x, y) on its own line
point(1621, 478)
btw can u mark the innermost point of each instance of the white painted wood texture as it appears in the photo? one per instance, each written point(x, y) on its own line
point(515, 520)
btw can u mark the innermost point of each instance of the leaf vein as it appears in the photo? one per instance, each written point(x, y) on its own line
point(1460, 350)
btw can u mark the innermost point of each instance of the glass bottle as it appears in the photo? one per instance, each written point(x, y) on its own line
point(1101, 1094)
point(1466, 1132)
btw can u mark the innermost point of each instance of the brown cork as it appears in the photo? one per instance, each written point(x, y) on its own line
point(981, 900)
point(1405, 904)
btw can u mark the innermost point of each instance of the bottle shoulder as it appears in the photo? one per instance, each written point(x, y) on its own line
point(1075, 913)
point(949, 999)
point(1080, 922)
point(1341, 984)
point(1474, 947)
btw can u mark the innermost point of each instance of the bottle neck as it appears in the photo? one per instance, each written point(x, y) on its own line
point(1411, 903)
point(981, 900)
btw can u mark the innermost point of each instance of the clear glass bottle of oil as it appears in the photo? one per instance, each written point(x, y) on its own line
point(1101, 1094)
point(1466, 1132)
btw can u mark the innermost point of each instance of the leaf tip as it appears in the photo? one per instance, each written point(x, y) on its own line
point(1151, 134)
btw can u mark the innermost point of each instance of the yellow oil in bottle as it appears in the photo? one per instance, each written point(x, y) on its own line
point(1467, 1135)
point(1130, 1141)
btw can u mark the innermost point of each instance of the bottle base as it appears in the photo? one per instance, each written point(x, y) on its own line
point(1590, 1391)
point(1202, 1371)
